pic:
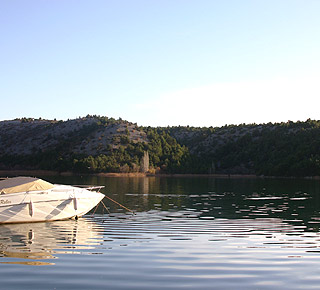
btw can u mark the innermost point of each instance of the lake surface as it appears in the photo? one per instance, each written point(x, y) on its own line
point(187, 233)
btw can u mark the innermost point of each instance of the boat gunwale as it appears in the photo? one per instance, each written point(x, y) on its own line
point(65, 188)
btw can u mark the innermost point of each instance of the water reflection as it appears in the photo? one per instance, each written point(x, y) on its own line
point(287, 199)
point(188, 232)
point(30, 242)
point(296, 200)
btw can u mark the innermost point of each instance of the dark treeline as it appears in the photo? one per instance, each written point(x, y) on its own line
point(280, 149)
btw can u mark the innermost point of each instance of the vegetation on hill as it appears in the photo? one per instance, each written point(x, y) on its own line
point(281, 149)
point(101, 144)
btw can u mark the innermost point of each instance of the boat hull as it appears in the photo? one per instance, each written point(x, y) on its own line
point(59, 203)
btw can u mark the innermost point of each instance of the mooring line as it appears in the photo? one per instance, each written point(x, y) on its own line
point(119, 205)
point(95, 209)
point(105, 207)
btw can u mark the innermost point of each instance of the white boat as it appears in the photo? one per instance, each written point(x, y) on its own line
point(28, 199)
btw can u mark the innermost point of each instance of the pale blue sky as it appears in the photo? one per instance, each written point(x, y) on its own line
point(159, 63)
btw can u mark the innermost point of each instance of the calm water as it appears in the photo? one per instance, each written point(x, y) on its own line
point(188, 233)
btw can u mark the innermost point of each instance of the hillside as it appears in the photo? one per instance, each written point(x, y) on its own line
point(281, 149)
point(101, 144)
point(88, 136)
point(89, 144)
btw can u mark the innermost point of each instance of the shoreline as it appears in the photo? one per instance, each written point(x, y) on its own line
point(12, 173)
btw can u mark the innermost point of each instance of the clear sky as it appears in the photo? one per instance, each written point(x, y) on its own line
point(161, 62)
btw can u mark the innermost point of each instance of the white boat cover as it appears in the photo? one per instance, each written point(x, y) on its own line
point(23, 184)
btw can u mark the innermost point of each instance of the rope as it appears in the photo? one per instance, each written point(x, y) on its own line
point(120, 205)
point(95, 209)
point(108, 209)
point(105, 207)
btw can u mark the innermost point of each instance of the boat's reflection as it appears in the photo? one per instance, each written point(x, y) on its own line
point(38, 243)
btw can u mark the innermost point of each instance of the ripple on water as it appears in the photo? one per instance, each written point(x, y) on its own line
point(161, 250)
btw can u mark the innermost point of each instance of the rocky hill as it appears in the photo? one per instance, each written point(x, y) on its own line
point(89, 135)
point(102, 144)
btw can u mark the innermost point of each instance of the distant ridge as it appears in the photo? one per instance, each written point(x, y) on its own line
point(94, 144)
